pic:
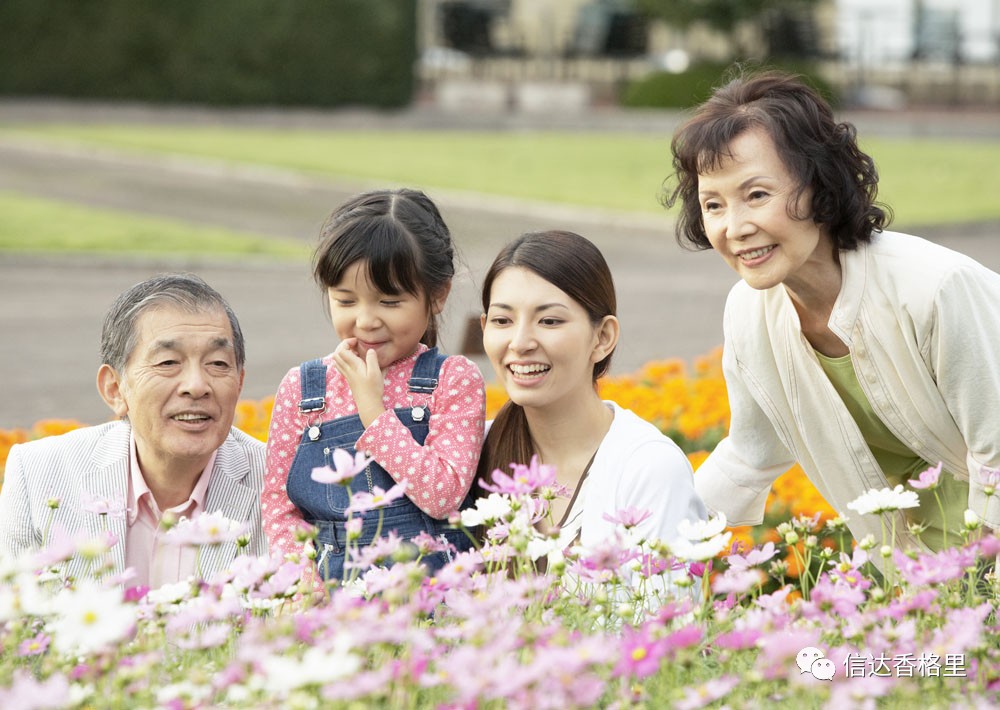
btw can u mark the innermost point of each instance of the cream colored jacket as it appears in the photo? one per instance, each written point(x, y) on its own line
point(923, 326)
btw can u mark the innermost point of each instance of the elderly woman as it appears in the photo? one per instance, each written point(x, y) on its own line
point(863, 354)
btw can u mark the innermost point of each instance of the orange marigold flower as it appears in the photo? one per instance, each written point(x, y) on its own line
point(54, 427)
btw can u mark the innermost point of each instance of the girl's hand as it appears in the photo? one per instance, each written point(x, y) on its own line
point(364, 377)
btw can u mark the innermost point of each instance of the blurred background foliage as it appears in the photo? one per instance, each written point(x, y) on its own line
point(689, 88)
point(230, 52)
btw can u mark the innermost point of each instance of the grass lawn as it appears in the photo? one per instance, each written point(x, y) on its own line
point(925, 181)
point(30, 224)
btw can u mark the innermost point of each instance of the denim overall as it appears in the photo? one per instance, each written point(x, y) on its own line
point(323, 504)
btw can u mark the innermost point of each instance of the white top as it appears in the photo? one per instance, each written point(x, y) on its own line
point(921, 323)
point(636, 466)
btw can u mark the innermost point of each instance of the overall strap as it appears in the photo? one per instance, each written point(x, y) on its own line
point(424, 379)
point(312, 376)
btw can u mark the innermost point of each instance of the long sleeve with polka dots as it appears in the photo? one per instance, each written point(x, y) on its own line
point(438, 474)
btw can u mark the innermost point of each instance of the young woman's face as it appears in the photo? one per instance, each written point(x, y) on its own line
point(540, 341)
point(747, 212)
point(390, 325)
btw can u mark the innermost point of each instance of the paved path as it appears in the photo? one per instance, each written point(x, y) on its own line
point(670, 301)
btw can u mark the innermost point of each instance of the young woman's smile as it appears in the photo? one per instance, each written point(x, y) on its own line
point(540, 341)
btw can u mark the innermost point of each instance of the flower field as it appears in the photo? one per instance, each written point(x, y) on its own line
point(786, 614)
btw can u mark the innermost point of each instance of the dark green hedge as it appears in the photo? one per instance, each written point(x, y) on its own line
point(690, 88)
point(301, 52)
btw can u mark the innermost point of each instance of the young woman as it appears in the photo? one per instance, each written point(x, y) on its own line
point(863, 354)
point(549, 330)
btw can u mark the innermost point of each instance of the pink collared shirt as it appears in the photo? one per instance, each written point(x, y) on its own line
point(154, 561)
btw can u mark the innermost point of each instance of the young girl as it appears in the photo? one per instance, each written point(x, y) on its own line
point(385, 261)
point(549, 330)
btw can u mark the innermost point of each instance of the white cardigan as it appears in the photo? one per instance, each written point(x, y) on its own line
point(922, 324)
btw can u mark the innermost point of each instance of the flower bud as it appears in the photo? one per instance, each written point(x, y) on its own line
point(168, 520)
point(972, 521)
point(867, 542)
point(791, 537)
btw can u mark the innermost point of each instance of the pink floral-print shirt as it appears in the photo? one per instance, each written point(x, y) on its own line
point(438, 473)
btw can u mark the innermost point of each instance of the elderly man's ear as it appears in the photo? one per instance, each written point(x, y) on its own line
point(110, 386)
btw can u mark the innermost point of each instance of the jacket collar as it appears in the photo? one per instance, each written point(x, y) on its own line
point(228, 492)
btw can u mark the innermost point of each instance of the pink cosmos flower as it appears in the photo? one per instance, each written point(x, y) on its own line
point(345, 467)
point(989, 479)
point(640, 653)
point(931, 569)
point(362, 501)
point(927, 480)
point(628, 517)
point(206, 529)
point(99, 505)
point(776, 601)
point(922, 601)
point(673, 609)
point(738, 639)
point(34, 646)
point(62, 545)
point(707, 692)
point(840, 599)
point(428, 544)
point(376, 553)
point(26, 692)
point(738, 581)
point(525, 479)
point(753, 558)
point(778, 650)
point(684, 637)
point(135, 594)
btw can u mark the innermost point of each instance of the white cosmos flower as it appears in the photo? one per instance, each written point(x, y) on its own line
point(702, 529)
point(283, 674)
point(874, 502)
point(90, 618)
point(541, 547)
point(702, 550)
point(206, 529)
point(493, 507)
point(171, 593)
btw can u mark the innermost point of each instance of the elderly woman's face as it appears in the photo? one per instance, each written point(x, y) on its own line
point(750, 221)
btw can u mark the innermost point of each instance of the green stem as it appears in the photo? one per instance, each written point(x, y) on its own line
point(944, 521)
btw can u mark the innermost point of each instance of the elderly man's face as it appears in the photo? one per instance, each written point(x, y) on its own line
point(180, 386)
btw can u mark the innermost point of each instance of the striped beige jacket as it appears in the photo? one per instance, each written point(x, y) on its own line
point(95, 461)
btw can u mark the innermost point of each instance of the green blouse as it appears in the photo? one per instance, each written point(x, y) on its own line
point(899, 463)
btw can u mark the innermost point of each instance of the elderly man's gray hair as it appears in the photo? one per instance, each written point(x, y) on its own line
point(119, 336)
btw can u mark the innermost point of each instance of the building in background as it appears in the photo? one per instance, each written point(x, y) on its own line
point(874, 32)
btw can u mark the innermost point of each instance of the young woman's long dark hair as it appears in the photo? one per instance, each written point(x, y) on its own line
point(574, 265)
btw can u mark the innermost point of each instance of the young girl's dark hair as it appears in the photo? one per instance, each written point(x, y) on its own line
point(820, 153)
point(403, 240)
point(574, 265)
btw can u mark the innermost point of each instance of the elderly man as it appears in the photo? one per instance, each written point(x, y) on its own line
point(172, 356)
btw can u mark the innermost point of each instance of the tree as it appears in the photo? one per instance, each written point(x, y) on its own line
point(776, 19)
